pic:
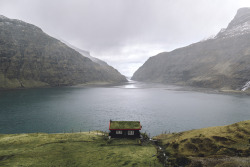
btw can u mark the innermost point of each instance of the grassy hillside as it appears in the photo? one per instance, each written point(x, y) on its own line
point(74, 149)
point(31, 58)
point(221, 146)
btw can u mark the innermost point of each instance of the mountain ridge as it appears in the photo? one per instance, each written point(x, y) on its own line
point(31, 58)
point(220, 62)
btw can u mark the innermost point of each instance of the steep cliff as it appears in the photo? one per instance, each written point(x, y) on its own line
point(220, 62)
point(31, 58)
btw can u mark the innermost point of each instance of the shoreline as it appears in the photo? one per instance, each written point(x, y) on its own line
point(104, 132)
point(88, 84)
point(215, 91)
point(179, 87)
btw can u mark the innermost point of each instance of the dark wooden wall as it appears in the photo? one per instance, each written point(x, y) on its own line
point(124, 134)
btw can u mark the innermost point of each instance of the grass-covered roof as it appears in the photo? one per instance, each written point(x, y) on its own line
point(125, 125)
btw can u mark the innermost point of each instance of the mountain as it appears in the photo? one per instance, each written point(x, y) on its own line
point(221, 62)
point(31, 58)
point(102, 63)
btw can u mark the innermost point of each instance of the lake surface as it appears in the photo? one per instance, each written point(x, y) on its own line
point(160, 108)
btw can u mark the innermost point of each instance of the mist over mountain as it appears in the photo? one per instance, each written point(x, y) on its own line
point(221, 62)
point(102, 63)
point(31, 58)
point(86, 54)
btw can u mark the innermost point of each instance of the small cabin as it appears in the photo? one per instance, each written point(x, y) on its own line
point(124, 129)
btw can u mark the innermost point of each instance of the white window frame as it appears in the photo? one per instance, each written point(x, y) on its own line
point(118, 132)
point(131, 132)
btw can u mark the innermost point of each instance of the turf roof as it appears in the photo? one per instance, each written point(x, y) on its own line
point(125, 125)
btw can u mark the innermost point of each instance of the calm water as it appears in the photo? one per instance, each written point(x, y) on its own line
point(159, 108)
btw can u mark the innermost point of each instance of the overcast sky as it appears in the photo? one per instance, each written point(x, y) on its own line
point(125, 33)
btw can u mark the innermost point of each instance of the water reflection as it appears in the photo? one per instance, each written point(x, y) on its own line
point(131, 84)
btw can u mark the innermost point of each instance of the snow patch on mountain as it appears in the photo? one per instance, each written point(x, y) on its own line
point(246, 86)
point(235, 31)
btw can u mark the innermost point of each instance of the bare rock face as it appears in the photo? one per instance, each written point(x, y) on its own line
point(221, 62)
point(31, 58)
point(240, 25)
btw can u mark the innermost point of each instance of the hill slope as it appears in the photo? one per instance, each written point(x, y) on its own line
point(31, 58)
point(221, 145)
point(221, 62)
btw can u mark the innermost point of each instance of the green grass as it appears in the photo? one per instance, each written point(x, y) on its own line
point(74, 149)
point(221, 141)
point(125, 125)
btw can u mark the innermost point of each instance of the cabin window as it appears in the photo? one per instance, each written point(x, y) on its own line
point(131, 132)
point(119, 132)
